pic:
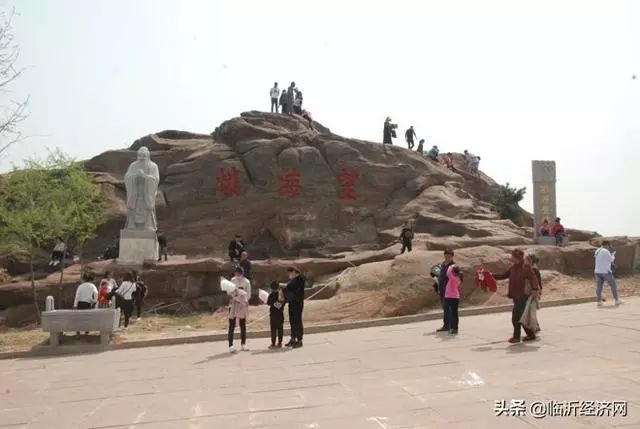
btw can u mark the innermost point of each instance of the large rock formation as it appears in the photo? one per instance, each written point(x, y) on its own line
point(331, 205)
point(287, 189)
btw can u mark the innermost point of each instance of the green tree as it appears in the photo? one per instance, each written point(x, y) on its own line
point(506, 199)
point(45, 200)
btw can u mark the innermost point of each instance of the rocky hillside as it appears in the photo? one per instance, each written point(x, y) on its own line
point(300, 194)
point(291, 190)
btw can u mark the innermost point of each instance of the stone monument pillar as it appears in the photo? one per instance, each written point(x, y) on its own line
point(138, 241)
point(544, 193)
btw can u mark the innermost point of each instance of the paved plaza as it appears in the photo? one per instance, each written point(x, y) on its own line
point(402, 376)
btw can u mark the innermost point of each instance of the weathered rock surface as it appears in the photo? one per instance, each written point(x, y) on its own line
point(338, 219)
point(391, 185)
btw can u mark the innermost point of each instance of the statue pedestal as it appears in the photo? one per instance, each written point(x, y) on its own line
point(137, 246)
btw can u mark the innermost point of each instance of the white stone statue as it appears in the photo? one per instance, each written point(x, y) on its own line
point(141, 181)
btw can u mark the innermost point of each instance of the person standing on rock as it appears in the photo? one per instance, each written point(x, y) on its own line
point(604, 273)
point(420, 148)
point(519, 291)
point(406, 237)
point(274, 93)
point(294, 293)
point(236, 247)
point(409, 135)
point(291, 94)
point(443, 279)
point(283, 101)
point(162, 246)
point(297, 103)
point(388, 132)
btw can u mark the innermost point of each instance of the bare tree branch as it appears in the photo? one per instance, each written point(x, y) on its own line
point(11, 112)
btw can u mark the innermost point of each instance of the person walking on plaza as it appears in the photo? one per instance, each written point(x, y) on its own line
point(409, 135)
point(603, 272)
point(533, 260)
point(406, 238)
point(103, 294)
point(274, 93)
point(452, 297)
point(113, 284)
point(126, 290)
point(294, 294)
point(443, 279)
point(139, 295)
point(162, 246)
point(275, 301)
point(519, 291)
point(238, 310)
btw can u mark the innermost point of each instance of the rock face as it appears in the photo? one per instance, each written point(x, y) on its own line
point(289, 189)
point(299, 195)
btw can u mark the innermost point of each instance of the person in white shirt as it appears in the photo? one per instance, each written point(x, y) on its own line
point(58, 252)
point(126, 290)
point(275, 93)
point(86, 294)
point(241, 281)
point(604, 261)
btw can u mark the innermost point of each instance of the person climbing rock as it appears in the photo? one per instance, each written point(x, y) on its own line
point(406, 237)
point(409, 135)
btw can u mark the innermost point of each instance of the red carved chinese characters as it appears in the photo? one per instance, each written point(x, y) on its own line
point(290, 183)
point(227, 182)
point(347, 180)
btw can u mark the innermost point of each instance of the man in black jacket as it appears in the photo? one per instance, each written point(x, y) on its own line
point(294, 294)
point(442, 286)
point(236, 247)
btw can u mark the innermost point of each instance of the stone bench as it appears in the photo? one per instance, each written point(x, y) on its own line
point(104, 320)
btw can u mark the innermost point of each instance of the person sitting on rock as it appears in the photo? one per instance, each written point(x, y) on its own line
point(433, 154)
point(58, 252)
point(474, 166)
point(448, 161)
point(236, 247)
point(545, 231)
point(406, 237)
point(558, 232)
point(420, 148)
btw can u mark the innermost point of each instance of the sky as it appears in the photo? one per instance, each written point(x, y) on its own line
point(509, 80)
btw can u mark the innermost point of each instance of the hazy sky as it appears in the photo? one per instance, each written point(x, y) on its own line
point(509, 80)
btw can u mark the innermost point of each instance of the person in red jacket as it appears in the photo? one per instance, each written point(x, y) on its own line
point(558, 232)
point(518, 274)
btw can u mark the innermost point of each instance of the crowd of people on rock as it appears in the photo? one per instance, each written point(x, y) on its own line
point(289, 101)
point(129, 294)
point(389, 132)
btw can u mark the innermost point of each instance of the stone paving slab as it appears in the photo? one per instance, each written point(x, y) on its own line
point(389, 377)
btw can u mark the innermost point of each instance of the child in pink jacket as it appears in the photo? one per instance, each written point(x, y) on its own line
point(452, 297)
point(238, 309)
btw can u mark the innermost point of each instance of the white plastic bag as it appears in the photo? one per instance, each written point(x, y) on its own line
point(227, 286)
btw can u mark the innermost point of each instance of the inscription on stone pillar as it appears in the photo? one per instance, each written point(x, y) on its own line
point(544, 193)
